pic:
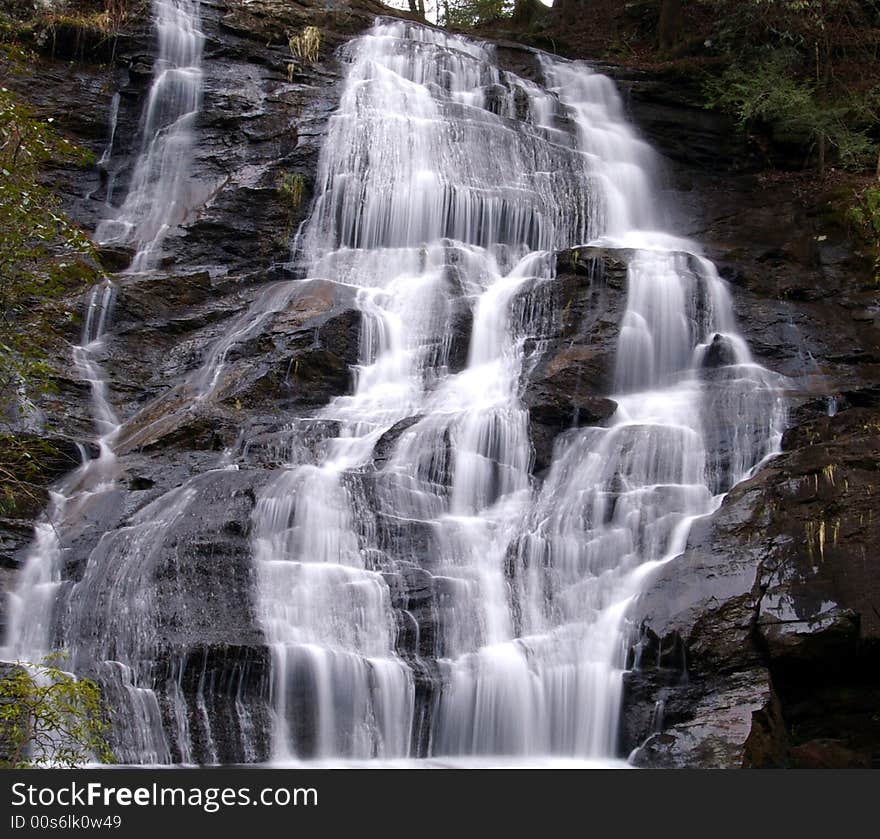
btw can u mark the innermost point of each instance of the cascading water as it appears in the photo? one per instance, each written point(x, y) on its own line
point(33, 608)
point(103, 622)
point(444, 187)
point(434, 185)
point(45, 610)
point(158, 194)
point(30, 632)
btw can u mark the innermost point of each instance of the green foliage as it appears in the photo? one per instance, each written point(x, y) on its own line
point(864, 217)
point(468, 14)
point(292, 190)
point(768, 92)
point(50, 718)
point(867, 210)
point(799, 23)
point(25, 460)
point(805, 69)
point(43, 255)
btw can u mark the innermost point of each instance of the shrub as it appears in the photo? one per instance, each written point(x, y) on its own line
point(768, 92)
point(306, 45)
point(864, 216)
point(291, 190)
point(50, 718)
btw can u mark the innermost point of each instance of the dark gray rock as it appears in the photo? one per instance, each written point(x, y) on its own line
point(776, 603)
point(182, 566)
point(50, 457)
point(225, 691)
point(719, 353)
point(569, 373)
point(739, 726)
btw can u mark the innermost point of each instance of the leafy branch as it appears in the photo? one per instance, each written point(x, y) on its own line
point(48, 717)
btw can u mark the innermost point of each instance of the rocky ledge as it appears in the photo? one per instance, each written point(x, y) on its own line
point(760, 644)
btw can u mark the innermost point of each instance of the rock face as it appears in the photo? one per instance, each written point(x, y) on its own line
point(58, 456)
point(758, 646)
point(571, 371)
point(773, 612)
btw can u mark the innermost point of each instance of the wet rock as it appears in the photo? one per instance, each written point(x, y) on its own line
point(219, 695)
point(268, 20)
point(778, 582)
point(555, 406)
point(50, 457)
point(161, 326)
point(295, 358)
point(426, 684)
point(190, 607)
point(15, 536)
point(822, 487)
point(386, 443)
point(669, 107)
point(569, 374)
point(457, 340)
point(719, 353)
point(68, 403)
point(148, 298)
point(737, 727)
point(797, 285)
point(413, 598)
point(114, 257)
point(588, 298)
point(178, 422)
point(188, 560)
point(271, 445)
point(303, 358)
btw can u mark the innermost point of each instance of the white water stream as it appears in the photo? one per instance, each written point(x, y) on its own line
point(442, 176)
point(158, 194)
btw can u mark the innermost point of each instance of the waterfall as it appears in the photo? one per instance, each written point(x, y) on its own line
point(158, 194)
point(102, 621)
point(444, 178)
point(444, 189)
point(33, 629)
point(31, 632)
